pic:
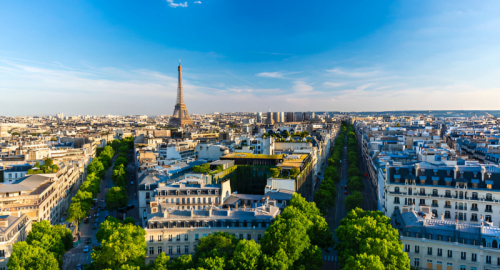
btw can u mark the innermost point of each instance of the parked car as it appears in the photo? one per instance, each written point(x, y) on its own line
point(345, 187)
point(86, 249)
point(86, 220)
point(132, 182)
point(79, 266)
point(96, 214)
point(345, 192)
point(95, 226)
point(88, 241)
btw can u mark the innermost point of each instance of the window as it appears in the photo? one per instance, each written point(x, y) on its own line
point(487, 218)
point(474, 257)
point(159, 238)
point(450, 253)
point(488, 259)
point(489, 197)
point(2, 253)
point(440, 252)
point(259, 236)
point(463, 255)
point(463, 267)
point(196, 237)
point(434, 192)
point(447, 214)
point(169, 237)
point(186, 237)
point(178, 249)
point(178, 237)
point(488, 208)
point(434, 203)
point(160, 249)
point(429, 251)
point(498, 261)
point(474, 195)
point(151, 250)
point(422, 201)
point(249, 236)
point(396, 189)
point(422, 191)
point(416, 262)
point(396, 200)
point(169, 249)
point(447, 193)
point(186, 249)
point(241, 236)
point(473, 217)
point(151, 238)
point(417, 249)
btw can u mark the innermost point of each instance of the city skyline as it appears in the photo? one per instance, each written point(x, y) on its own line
point(331, 57)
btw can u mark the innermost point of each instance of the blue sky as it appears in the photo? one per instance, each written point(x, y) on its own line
point(120, 57)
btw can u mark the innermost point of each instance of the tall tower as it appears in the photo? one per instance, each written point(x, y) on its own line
point(180, 116)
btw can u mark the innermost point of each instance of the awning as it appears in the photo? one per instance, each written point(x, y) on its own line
point(397, 176)
point(423, 177)
point(489, 182)
point(435, 178)
point(463, 180)
point(448, 179)
point(475, 181)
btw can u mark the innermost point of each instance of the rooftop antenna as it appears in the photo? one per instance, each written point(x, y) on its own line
point(179, 62)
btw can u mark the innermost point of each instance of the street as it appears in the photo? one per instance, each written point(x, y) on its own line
point(76, 255)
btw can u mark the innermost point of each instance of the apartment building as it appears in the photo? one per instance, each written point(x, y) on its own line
point(176, 232)
point(447, 244)
point(12, 230)
point(463, 192)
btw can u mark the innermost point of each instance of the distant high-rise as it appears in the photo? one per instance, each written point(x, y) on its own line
point(180, 116)
point(269, 119)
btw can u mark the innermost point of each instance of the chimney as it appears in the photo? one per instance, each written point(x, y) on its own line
point(228, 210)
point(165, 214)
point(442, 216)
point(192, 212)
point(210, 212)
point(236, 208)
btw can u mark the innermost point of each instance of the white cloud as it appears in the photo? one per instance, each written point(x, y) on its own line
point(353, 73)
point(277, 74)
point(197, 2)
point(271, 74)
point(174, 5)
point(333, 84)
point(302, 87)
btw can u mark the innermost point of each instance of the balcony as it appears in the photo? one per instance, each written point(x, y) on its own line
point(447, 195)
point(488, 210)
point(474, 209)
point(434, 205)
point(435, 195)
point(474, 198)
point(447, 206)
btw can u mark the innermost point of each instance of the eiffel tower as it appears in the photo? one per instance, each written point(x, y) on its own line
point(180, 117)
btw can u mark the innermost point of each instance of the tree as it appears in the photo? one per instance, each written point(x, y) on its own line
point(116, 198)
point(223, 242)
point(317, 227)
point(181, 263)
point(323, 200)
point(289, 234)
point(213, 261)
point(364, 262)
point(160, 262)
point(37, 164)
point(246, 256)
point(49, 162)
point(275, 172)
point(294, 172)
point(25, 256)
point(204, 168)
point(370, 233)
point(356, 184)
point(354, 200)
point(277, 261)
point(285, 134)
point(55, 239)
point(96, 167)
point(129, 220)
point(120, 244)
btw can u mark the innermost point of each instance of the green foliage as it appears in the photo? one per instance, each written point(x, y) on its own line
point(275, 172)
point(160, 262)
point(43, 248)
point(285, 134)
point(294, 172)
point(37, 165)
point(204, 168)
point(354, 200)
point(223, 242)
point(116, 197)
point(246, 256)
point(182, 262)
point(49, 162)
point(367, 240)
point(121, 244)
point(25, 256)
